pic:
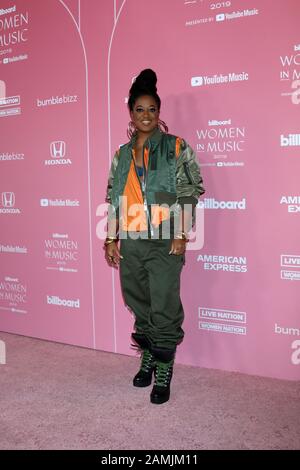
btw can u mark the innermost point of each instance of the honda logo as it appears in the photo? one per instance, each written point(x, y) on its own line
point(58, 149)
point(8, 199)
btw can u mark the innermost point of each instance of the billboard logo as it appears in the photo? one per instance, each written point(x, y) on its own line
point(58, 149)
point(212, 203)
point(5, 11)
point(292, 140)
point(8, 199)
point(55, 300)
point(197, 81)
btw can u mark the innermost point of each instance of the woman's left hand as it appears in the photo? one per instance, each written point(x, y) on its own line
point(178, 247)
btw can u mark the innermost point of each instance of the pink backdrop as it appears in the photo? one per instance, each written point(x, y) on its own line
point(229, 79)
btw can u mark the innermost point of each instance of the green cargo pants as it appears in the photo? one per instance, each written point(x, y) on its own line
point(150, 281)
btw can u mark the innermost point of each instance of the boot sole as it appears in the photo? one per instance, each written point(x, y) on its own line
point(156, 401)
point(142, 384)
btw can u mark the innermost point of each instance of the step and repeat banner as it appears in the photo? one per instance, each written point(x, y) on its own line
point(229, 80)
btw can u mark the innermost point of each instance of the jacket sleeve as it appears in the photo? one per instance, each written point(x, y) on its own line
point(111, 176)
point(189, 182)
point(112, 213)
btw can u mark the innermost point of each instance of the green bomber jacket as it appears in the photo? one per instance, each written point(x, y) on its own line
point(169, 181)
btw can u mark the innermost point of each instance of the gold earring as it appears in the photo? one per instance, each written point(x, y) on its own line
point(163, 126)
point(131, 129)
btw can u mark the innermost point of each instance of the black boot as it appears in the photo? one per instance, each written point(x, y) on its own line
point(144, 376)
point(164, 361)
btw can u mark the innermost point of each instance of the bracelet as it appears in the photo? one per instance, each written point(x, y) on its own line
point(110, 240)
point(181, 236)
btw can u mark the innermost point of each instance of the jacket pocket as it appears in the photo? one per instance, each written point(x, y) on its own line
point(188, 173)
point(164, 197)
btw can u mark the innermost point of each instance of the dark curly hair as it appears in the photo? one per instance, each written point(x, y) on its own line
point(144, 84)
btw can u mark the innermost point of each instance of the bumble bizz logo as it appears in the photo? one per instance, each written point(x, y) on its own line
point(295, 345)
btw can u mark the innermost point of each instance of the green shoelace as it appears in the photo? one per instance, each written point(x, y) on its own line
point(163, 373)
point(147, 360)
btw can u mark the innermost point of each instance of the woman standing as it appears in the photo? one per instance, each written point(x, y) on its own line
point(153, 188)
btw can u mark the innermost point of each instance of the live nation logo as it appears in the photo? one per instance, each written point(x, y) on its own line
point(222, 321)
point(291, 263)
point(9, 105)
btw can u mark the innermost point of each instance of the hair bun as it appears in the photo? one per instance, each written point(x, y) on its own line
point(147, 78)
point(145, 82)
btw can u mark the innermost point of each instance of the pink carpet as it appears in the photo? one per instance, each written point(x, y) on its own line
point(55, 396)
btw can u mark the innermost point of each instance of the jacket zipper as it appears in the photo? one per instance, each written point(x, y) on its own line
point(143, 185)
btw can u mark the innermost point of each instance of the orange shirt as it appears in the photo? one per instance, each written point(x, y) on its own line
point(134, 216)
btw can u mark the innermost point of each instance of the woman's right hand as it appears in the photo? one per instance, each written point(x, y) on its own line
point(112, 254)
